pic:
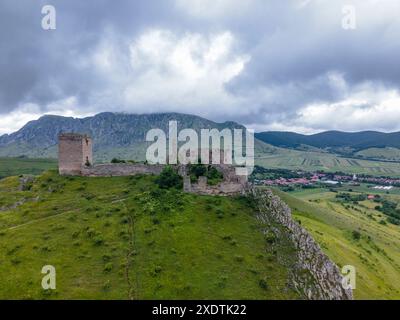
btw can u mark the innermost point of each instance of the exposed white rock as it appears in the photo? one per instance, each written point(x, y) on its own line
point(316, 276)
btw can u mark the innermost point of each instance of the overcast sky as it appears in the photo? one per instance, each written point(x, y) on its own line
point(271, 65)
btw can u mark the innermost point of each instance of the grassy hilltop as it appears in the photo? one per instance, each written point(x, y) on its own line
point(124, 238)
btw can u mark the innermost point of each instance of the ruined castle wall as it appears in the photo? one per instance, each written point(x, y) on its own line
point(87, 155)
point(222, 189)
point(231, 184)
point(202, 183)
point(70, 155)
point(121, 169)
point(231, 188)
point(326, 279)
point(229, 173)
point(187, 184)
point(75, 158)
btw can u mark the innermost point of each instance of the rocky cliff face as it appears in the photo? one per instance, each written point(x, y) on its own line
point(316, 276)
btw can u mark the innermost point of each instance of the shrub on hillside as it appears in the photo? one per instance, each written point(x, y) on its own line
point(394, 221)
point(263, 284)
point(239, 258)
point(214, 176)
point(116, 160)
point(108, 267)
point(356, 235)
point(106, 258)
point(169, 178)
point(198, 170)
point(98, 240)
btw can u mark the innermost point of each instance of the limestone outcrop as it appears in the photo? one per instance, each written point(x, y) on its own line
point(316, 276)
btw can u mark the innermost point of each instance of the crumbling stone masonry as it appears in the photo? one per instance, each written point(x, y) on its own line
point(74, 153)
point(232, 184)
point(120, 170)
point(75, 158)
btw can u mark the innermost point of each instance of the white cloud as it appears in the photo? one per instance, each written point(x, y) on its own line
point(214, 8)
point(16, 119)
point(374, 110)
point(367, 106)
point(305, 73)
point(158, 71)
point(183, 72)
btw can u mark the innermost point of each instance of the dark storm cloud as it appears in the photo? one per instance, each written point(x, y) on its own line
point(298, 54)
point(302, 46)
point(40, 66)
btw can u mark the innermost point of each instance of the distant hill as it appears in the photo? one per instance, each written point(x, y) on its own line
point(114, 134)
point(123, 136)
point(332, 139)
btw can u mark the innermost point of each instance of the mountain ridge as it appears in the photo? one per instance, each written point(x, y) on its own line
point(332, 139)
point(122, 135)
point(114, 134)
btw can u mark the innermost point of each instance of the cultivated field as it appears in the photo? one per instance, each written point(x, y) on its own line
point(276, 158)
point(335, 225)
point(381, 153)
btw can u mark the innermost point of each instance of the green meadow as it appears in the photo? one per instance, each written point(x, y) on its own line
point(355, 234)
point(17, 166)
point(380, 153)
point(124, 238)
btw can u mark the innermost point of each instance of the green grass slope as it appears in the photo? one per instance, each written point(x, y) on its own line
point(17, 166)
point(123, 238)
point(392, 154)
point(376, 255)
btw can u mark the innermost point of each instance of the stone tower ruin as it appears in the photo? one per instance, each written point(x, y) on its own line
point(74, 153)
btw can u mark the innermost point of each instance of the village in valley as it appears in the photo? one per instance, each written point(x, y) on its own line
point(288, 178)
